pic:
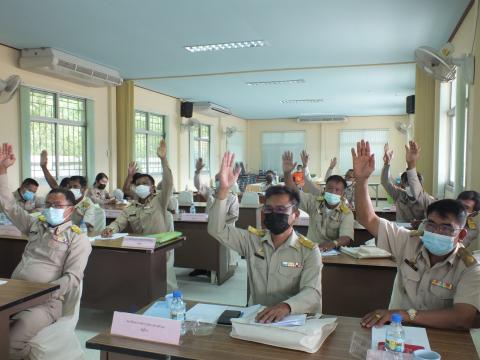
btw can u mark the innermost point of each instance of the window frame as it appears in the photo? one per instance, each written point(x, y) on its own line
point(289, 147)
point(196, 141)
point(148, 133)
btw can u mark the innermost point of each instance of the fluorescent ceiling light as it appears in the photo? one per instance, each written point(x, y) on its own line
point(301, 101)
point(226, 46)
point(276, 82)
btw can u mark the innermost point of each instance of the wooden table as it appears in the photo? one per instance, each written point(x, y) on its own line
point(355, 287)
point(15, 296)
point(360, 234)
point(116, 277)
point(452, 345)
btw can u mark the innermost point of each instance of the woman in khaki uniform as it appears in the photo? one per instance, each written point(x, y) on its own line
point(99, 194)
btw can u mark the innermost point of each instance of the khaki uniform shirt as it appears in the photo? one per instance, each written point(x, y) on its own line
point(56, 255)
point(311, 188)
point(324, 226)
point(99, 196)
point(31, 205)
point(455, 280)
point(92, 215)
point(172, 203)
point(233, 207)
point(291, 273)
point(408, 208)
point(153, 216)
point(472, 241)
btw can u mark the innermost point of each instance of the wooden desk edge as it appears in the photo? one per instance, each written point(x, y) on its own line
point(46, 291)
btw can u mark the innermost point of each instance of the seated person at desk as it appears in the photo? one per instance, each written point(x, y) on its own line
point(270, 180)
point(98, 194)
point(331, 220)
point(149, 214)
point(471, 201)
point(26, 195)
point(56, 252)
point(298, 177)
point(284, 268)
point(438, 280)
point(410, 199)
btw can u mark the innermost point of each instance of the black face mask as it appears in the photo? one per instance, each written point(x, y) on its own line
point(101, 186)
point(276, 223)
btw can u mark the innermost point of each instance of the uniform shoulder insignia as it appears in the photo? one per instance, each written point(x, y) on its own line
point(75, 229)
point(42, 218)
point(309, 244)
point(471, 224)
point(467, 257)
point(255, 231)
point(86, 204)
point(320, 198)
point(344, 208)
point(414, 233)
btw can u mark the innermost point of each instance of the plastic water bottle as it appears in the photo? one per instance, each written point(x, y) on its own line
point(178, 310)
point(395, 337)
point(192, 209)
point(83, 227)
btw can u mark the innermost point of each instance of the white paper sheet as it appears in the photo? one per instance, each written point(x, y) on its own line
point(332, 252)
point(2, 282)
point(113, 237)
point(210, 313)
point(413, 336)
point(290, 320)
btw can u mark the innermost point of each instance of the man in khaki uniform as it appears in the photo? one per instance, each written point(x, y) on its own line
point(284, 269)
point(438, 279)
point(471, 200)
point(56, 252)
point(331, 221)
point(26, 195)
point(149, 214)
point(410, 199)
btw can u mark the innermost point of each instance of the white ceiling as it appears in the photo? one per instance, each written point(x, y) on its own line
point(322, 42)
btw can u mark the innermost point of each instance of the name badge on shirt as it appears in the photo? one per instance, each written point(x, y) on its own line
point(442, 284)
point(294, 265)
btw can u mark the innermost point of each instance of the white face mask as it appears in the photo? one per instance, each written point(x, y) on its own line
point(142, 191)
point(77, 193)
point(349, 183)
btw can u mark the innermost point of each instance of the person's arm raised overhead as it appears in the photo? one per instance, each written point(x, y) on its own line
point(329, 172)
point(412, 154)
point(310, 186)
point(131, 170)
point(288, 166)
point(385, 177)
point(363, 167)
point(202, 188)
point(48, 176)
point(167, 182)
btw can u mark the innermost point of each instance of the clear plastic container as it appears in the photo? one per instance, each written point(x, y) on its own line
point(192, 209)
point(178, 310)
point(395, 337)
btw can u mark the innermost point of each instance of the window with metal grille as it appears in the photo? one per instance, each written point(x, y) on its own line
point(200, 146)
point(58, 124)
point(149, 130)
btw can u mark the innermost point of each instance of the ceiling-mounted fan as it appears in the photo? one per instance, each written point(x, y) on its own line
point(8, 88)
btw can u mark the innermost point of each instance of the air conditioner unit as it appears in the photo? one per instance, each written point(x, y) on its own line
point(322, 118)
point(210, 109)
point(58, 64)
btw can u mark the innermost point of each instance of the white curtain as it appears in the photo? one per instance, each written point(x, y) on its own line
point(274, 144)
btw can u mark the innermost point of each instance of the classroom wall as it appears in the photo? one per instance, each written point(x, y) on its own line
point(10, 114)
point(322, 140)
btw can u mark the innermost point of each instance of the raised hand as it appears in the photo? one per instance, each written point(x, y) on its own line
point(43, 158)
point(387, 154)
point(199, 164)
point(287, 162)
point(132, 168)
point(333, 163)
point(227, 175)
point(363, 161)
point(305, 157)
point(162, 150)
point(412, 154)
point(7, 157)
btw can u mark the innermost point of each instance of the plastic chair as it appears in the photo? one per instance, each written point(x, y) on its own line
point(185, 198)
point(250, 198)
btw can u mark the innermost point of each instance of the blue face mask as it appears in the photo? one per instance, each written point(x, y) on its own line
point(54, 216)
point(332, 199)
point(217, 184)
point(28, 195)
point(438, 244)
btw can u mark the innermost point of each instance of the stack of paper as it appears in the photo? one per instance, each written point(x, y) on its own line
point(290, 320)
point(113, 237)
point(332, 252)
point(365, 252)
point(209, 313)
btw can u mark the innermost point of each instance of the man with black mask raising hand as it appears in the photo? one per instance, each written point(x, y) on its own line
point(284, 268)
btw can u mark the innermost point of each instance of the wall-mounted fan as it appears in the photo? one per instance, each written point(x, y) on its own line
point(229, 131)
point(190, 123)
point(442, 66)
point(8, 88)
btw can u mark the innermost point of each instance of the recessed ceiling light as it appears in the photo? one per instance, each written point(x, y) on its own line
point(276, 82)
point(301, 101)
point(226, 46)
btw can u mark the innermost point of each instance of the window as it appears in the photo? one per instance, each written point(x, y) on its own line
point(149, 130)
point(236, 144)
point(200, 146)
point(452, 130)
point(57, 124)
point(274, 144)
point(349, 138)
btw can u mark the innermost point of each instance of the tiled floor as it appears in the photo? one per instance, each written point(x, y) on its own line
point(232, 292)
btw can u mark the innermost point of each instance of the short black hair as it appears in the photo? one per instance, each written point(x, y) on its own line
point(293, 196)
point(67, 193)
point(471, 195)
point(135, 177)
point(64, 183)
point(270, 172)
point(152, 180)
point(404, 178)
point(99, 177)
point(446, 207)
point(28, 182)
point(337, 179)
point(81, 179)
point(348, 172)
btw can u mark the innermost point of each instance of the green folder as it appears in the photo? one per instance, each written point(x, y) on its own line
point(165, 236)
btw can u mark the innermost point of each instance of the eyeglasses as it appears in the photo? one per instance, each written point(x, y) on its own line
point(55, 205)
point(442, 229)
point(280, 209)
